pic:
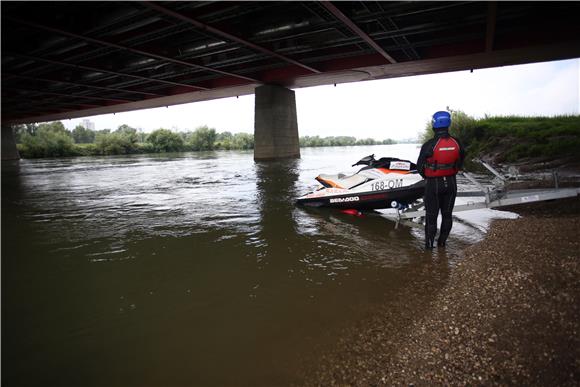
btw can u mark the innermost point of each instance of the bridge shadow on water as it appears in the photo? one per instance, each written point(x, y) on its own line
point(251, 301)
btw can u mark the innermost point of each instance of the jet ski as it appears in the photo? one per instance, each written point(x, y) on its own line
point(384, 183)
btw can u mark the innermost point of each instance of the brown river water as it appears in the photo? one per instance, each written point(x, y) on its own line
point(193, 268)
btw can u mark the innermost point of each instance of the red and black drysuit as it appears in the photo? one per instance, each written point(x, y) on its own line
point(439, 161)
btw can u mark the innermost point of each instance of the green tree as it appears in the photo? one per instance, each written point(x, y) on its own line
point(243, 141)
point(366, 141)
point(129, 133)
point(345, 140)
point(21, 130)
point(141, 136)
point(203, 138)
point(462, 127)
point(117, 143)
point(308, 141)
point(55, 127)
point(225, 141)
point(82, 135)
point(164, 140)
point(316, 141)
point(48, 141)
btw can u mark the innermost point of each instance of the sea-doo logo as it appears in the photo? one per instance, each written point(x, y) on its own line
point(343, 200)
point(447, 149)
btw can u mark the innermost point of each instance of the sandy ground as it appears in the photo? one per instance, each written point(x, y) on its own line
point(508, 314)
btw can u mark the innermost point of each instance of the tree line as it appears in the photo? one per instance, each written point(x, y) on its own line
point(316, 141)
point(54, 140)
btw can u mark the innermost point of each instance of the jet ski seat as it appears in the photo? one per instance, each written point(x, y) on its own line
point(341, 180)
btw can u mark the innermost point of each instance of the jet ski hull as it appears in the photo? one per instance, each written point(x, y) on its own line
point(384, 183)
point(366, 200)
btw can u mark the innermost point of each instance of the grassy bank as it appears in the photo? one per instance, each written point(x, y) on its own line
point(512, 139)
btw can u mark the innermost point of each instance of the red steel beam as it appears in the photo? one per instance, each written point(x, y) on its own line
point(226, 35)
point(100, 70)
point(354, 28)
point(84, 85)
point(130, 49)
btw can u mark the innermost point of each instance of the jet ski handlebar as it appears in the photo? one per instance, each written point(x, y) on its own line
point(365, 160)
point(387, 162)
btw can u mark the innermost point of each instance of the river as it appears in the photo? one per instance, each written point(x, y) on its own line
point(192, 268)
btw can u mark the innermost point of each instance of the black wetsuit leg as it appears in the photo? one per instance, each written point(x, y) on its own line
point(446, 202)
point(431, 200)
point(440, 193)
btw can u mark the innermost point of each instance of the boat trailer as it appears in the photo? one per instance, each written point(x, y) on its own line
point(496, 196)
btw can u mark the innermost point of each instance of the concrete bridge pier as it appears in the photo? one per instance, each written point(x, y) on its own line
point(9, 150)
point(275, 124)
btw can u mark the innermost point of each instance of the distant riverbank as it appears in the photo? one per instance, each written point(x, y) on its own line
point(507, 315)
point(54, 140)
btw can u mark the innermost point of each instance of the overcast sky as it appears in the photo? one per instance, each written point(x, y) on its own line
point(392, 108)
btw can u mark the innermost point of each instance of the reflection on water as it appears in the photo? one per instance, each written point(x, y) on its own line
point(191, 268)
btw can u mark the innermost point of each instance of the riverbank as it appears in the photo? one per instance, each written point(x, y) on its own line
point(508, 314)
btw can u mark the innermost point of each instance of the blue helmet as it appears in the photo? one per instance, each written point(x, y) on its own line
point(441, 119)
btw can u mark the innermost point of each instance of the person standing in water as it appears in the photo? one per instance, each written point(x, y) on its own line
point(439, 161)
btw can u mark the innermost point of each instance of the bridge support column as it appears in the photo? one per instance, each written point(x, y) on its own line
point(275, 124)
point(9, 150)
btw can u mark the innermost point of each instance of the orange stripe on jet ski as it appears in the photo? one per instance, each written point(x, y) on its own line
point(331, 183)
point(385, 170)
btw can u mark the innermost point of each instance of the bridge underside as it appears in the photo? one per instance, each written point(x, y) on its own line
point(70, 59)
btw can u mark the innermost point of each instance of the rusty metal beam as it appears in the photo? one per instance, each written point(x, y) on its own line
point(354, 28)
point(490, 30)
point(129, 49)
point(226, 35)
point(84, 85)
point(100, 70)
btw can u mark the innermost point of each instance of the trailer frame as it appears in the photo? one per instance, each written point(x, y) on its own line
point(498, 196)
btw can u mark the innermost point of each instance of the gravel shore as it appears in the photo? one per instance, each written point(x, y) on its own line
point(508, 314)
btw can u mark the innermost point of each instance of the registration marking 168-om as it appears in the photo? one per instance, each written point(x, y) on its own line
point(388, 184)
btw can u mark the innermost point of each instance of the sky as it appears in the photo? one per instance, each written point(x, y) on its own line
point(397, 108)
